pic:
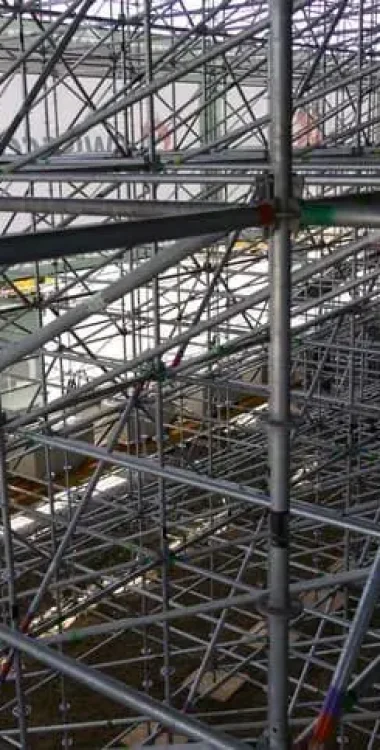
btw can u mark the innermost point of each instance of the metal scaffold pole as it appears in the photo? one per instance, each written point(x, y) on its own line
point(280, 102)
point(190, 374)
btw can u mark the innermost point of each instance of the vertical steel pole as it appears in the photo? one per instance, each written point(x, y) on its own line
point(280, 90)
point(166, 669)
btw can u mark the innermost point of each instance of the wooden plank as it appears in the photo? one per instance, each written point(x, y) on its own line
point(261, 629)
point(212, 677)
point(135, 737)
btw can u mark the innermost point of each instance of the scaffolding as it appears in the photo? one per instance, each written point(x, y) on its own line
point(189, 374)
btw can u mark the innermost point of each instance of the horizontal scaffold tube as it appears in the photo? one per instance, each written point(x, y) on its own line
point(101, 207)
point(222, 487)
point(256, 598)
point(360, 210)
point(20, 248)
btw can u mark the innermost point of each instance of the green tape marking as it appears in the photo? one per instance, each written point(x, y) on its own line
point(75, 637)
point(317, 215)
